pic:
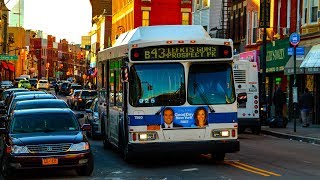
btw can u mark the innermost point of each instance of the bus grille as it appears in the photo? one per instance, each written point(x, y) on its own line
point(240, 76)
point(49, 148)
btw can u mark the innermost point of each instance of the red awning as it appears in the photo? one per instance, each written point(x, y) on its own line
point(4, 65)
point(11, 67)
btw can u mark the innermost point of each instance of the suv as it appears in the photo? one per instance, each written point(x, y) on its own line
point(84, 96)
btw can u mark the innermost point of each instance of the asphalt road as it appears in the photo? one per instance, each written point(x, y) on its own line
point(259, 157)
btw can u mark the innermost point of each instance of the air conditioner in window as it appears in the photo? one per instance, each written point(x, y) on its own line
point(285, 31)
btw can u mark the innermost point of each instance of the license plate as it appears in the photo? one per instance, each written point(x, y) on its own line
point(49, 161)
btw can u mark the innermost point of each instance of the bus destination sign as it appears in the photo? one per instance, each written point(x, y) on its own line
point(181, 52)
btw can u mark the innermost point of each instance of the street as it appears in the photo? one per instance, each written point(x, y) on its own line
point(260, 156)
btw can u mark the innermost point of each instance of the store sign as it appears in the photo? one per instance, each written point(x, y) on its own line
point(277, 55)
point(264, 14)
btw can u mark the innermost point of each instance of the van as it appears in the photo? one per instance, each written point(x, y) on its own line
point(25, 76)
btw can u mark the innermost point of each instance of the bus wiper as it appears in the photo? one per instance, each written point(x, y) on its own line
point(203, 96)
point(158, 112)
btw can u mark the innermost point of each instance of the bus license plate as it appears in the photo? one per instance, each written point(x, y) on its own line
point(49, 161)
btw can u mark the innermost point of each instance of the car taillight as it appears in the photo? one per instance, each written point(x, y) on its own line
point(8, 149)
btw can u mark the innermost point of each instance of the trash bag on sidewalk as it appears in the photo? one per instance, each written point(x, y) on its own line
point(278, 122)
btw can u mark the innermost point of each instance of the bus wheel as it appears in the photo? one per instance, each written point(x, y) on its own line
point(256, 130)
point(218, 157)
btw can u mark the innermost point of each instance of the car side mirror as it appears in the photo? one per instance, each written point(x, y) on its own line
point(79, 115)
point(86, 127)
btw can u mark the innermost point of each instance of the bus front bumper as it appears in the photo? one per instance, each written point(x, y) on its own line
point(194, 147)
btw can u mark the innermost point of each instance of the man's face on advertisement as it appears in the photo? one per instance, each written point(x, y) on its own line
point(168, 116)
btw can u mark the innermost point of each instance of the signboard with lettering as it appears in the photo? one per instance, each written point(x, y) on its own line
point(181, 52)
point(277, 55)
point(264, 14)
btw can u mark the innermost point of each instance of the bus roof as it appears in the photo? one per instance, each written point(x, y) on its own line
point(160, 33)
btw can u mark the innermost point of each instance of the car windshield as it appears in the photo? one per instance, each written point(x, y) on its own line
point(32, 81)
point(157, 85)
point(6, 82)
point(37, 122)
point(210, 84)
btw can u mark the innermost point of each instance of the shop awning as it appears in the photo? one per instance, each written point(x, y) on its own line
point(11, 67)
point(289, 70)
point(311, 62)
point(4, 65)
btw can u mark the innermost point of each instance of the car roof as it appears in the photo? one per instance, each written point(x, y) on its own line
point(41, 101)
point(43, 111)
point(28, 92)
point(36, 96)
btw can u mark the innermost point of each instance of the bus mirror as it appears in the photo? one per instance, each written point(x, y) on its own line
point(242, 98)
point(124, 73)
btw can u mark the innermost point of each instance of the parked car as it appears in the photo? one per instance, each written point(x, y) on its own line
point(40, 103)
point(85, 94)
point(6, 84)
point(7, 92)
point(64, 87)
point(72, 87)
point(43, 84)
point(33, 82)
point(53, 142)
point(24, 84)
point(15, 94)
point(92, 118)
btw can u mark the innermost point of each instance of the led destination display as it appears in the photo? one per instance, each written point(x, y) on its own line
point(181, 52)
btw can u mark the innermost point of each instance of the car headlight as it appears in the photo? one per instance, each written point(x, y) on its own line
point(19, 149)
point(79, 146)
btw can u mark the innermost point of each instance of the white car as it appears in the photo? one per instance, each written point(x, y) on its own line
point(43, 84)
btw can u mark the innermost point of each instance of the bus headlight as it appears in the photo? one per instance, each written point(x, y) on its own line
point(220, 133)
point(148, 136)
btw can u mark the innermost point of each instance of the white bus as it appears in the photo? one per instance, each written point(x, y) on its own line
point(247, 91)
point(169, 89)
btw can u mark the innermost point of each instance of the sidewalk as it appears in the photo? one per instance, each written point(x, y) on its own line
point(310, 134)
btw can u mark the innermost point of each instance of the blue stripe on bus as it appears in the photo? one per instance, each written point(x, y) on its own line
point(142, 120)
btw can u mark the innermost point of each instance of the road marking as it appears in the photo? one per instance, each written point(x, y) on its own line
point(190, 169)
point(252, 169)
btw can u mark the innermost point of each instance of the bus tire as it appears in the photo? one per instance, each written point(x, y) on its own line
point(218, 157)
point(124, 149)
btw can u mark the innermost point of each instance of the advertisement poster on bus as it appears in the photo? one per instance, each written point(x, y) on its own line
point(175, 117)
point(252, 56)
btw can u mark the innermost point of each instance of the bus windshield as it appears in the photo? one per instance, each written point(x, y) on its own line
point(157, 85)
point(210, 84)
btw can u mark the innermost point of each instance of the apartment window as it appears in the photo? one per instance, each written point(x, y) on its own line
point(198, 5)
point(254, 27)
point(205, 3)
point(185, 18)
point(305, 12)
point(145, 18)
point(244, 25)
point(313, 10)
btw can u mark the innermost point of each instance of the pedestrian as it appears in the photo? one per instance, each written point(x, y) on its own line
point(306, 106)
point(56, 89)
point(279, 100)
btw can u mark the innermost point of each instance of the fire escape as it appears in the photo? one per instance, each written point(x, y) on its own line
point(224, 32)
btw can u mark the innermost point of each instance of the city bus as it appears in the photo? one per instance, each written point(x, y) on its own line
point(169, 88)
point(247, 92)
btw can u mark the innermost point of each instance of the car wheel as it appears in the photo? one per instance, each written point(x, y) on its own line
point(5, 170)
point(86, 170)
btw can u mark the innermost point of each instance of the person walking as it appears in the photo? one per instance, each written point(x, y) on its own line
point(56, 89)
point(279, 99)
point(306, 106)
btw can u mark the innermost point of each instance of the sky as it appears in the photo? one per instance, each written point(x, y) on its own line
point(64, 19)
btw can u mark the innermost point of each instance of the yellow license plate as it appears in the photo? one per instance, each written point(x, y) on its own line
point(49, 161)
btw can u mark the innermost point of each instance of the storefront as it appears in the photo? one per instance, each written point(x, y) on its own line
point(311, 66)
point(276, 60)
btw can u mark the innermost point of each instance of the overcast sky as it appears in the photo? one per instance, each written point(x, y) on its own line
point(69, 19)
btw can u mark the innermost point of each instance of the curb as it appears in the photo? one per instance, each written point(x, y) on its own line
point(293, 137)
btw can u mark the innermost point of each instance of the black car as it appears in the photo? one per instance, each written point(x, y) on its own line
point(45, 139)
point(92, 118)
point(84, 96)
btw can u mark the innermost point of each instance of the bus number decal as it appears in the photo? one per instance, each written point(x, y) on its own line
point(138, 117)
